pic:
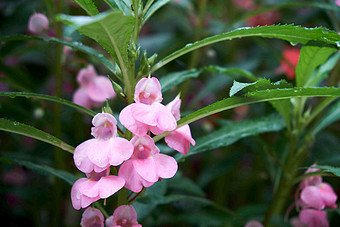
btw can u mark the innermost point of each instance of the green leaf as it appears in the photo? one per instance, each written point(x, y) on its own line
point(331, 116)
point(180, 182)
point(311, 56)
point(157, 5)
point(88, 6)
point(290, 33)
point(254, 97)
point(111, 30)
point(174, 79)
point(29, 131)
point(330, 169)
point(121, 4)
point(74, 45)
point(49, 98)
point(42, 169)
point(235, 131)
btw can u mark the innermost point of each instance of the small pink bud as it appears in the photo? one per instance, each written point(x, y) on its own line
point(105, 126)
point(123, 216)
point(92, 217)
point(148, 91)
point(37, 23)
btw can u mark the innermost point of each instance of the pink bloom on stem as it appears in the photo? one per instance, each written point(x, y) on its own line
point(319, 196)
point(337, 2)
point(147, 113)
point(105, 149)
point(314, 218)
point(123, 216)
point(37, 23)
point(97, 186)
point(94, 89)
point(92, 217)
point(253, 224)
point(181, 138)
point(146, 165)
point(290, 61)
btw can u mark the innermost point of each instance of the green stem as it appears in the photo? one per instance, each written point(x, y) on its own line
point(147, 6)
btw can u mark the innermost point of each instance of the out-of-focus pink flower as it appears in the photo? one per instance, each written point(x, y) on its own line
point(289, 62)
point(244, 4)
point(124, 216)
point(11, 61)
point(3, 86)
point(181, 138)
point(17, 176)
point(314, 218)
point(319, 196)
point(93, 89)
point(97, 186)
point(147, 113)
point(253, 224)
point(105, 149)
point(92, 217)
point(313, 180)
point(295, 222)
point(146, 165)
point(37, 23)
point(263, 19)
point(337, 2)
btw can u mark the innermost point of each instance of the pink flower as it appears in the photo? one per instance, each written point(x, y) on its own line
point(105, 149)
point(94, 89)
point(181, 138)
point(124, 216)
point(319, 196)
point(147, 113)
point(92, 217)
point(253, 224)
point(97, 186)
point(244, 4)
point(313, 180)
point(290, 61)
point(37, 23)
point(337, 2)
point(146, 165)
point(314, 218)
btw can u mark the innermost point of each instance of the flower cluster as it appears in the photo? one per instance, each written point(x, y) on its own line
point(138, 161)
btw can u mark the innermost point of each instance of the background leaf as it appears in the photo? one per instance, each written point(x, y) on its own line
point(174, 79)
point(154, 7)
point(332, 115)
point(121, 4)
point(88, 6)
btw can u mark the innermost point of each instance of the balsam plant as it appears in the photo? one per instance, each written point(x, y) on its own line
point(126, 161)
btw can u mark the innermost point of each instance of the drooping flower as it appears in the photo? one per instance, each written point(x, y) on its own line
point(92, 217)
point(147, 113)
point(37, 23)
point(97, 186)
point(253, 224)
point(314, 218)
point(123, 216)
point(105, 149)
point(289, 61)
point(319, 196)
point(181, 138)
point(146, 165)
point(94, 89)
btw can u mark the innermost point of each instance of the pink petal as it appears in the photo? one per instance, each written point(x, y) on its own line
point(174, 107)
point(314, 218)
point(98, 152)
point(311, 196)
point(109, 222)
point(109, 185)
point(165, 120)
point(78, 199)
point(125, 212)
point(180, 139)
point(81, 98)
point(81, 159)
point(166, 165)
point(127, 119)
point(92, 217)
point(86, 76)
point(105, 126)
point(100, 89)
point(147, 142)
point(148, 91)
point(37, 23)
point(328, 195)
point(253, 224)
point(146, 168)
point(120, 150)
point(146, 114)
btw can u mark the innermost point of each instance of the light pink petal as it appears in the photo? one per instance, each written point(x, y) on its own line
point(295, 222)
point(92, 217)
point(146, 114)
point(148, 91)
point(81, 159)
point(109, 222)
point(155, 130)
point(109, 185)
point(98, 152)
point(146, 168)
point(78, 199)
point(127, 119)
point(313, 180)
point(165, 120)
point(328, 195)
point(180, 139)
point(147, 142)
point(86, 76)
point(89, 188)
point(125, 212)
point(119, 151)
point(81, 98)
point(311, 196)
point(314, 218)
point(37, 23)
point(100, 89)
point(105, 126)
point(166, 165)
point(174, 107)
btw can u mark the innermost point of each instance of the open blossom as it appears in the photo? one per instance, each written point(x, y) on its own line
point(146, 165)
point(97, 186)
point(314, 218)
point(147, 113)
point(37, 23)
point(181, 138)
point(105, 149)
point(94, 89)
point(124, 216)
point(92, 217)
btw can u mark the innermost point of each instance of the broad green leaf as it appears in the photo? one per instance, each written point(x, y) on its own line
point(88, 6)
point(322, 72)
point(49, 98)
point(111, 30)
point(154, 7)
point(254, 97)
point(42, 169)
point(331, 116)
point(74, 45)
point(174, 79)
point(235, 131)
point(311, 56)
point(290, 33)
point(121, 4)
point(330, 169)
point(26, 130)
